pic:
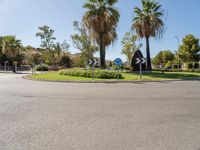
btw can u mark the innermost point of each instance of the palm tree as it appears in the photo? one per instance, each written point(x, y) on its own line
point(101, 19)
point(148, 23)
point(12, 47)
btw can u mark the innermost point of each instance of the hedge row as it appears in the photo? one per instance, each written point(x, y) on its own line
point(98, 73)
point(42, 67)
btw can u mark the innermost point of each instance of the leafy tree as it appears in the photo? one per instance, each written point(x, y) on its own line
point(47, 37)
point(65, 46)
point(165, 58)
point(129, 46)
point(189, 51)
point(83, 42)
point(11, 48)
point(102, 18)
point(148, 23)
point(56, 53)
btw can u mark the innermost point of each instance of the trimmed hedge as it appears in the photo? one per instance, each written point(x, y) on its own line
point(98, 73)
point(42, 67)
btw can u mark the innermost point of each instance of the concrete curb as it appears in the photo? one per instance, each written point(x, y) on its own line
point(104, 81)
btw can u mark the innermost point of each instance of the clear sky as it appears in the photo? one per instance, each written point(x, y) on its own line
point(23, 17)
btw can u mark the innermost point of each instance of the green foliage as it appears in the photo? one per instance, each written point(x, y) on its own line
point(189, 50)
point(79, 61)
point(42, 67)
point(47, 37)
point(148, 23)
point(101, 18)
point(19, 58)
point(98, 73)
point(11, 50)
point(65, 47)
point(192, 65)
point(65, 61)
point(3, 58)
point(165, 58)
point(83, 42)
point(129, 46)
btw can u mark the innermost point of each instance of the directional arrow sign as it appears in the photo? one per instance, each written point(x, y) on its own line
point(90, 62)
point(140, 60)
point(93, 62)
point(143, 61)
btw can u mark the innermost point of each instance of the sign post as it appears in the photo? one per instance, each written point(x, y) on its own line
point(6, 65)
point(118, 62)
point(140, 62)
point(33, 70)
point(93, 63)
point(15, 66)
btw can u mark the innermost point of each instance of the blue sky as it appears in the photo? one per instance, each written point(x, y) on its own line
point(23, 17)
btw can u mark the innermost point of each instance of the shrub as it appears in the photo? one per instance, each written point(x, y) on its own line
point(65, 61)
point(98, 73)
point(42, 67)
point(192, 65)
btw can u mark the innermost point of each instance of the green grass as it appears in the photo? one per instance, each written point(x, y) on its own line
point(54, 76)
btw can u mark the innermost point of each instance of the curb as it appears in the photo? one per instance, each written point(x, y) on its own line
point(102, 81)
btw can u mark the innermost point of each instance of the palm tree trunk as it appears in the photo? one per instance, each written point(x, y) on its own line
point(102, 52)
point(149, 67)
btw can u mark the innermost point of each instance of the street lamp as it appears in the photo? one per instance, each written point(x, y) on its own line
point(178, 41)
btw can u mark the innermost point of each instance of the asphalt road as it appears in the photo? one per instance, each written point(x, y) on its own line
point(68, 116)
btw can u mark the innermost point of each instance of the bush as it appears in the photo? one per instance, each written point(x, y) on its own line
point(42, 67)
point(65, 61)
point(98, 73)
point(192, 65)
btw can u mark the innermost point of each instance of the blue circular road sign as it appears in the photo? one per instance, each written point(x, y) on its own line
point(118, 62)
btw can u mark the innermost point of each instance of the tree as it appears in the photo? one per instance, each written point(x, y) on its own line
point(10, 45)
point(129, 46)
point(190, 49)
point(65, 46)
point(47, 37)
point(164, 58)
point(10, 48)
point(101, 18)
point(148, 23)
point(83, 42)
point(56, 53)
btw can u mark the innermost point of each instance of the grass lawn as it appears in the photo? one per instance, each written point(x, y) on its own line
point(54, 76)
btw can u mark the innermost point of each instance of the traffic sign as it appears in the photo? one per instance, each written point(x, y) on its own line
point(93, 62)
point(118, 62)
point(140, 60)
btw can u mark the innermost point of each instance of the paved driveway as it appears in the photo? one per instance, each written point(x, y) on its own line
point(65, 116)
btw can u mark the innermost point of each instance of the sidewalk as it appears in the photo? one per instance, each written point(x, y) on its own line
point(18, 72)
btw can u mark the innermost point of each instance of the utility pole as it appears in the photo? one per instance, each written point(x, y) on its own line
point(178, 41)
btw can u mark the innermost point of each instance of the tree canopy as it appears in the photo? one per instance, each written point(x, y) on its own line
point(189, 51)
point(148, 23)
point(101, 18)
point(129, 46)
point(46, 35)
point(164, 58)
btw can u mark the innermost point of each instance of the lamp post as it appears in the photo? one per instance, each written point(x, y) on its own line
point(178, 41)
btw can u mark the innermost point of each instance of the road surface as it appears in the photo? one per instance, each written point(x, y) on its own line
point(71, 116)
